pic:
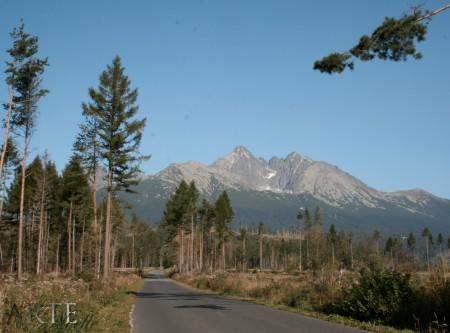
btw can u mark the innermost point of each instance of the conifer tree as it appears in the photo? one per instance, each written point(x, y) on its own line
point(74, 197)
point(299, 219)
point(332, 237)
point(260, 240)
point(440, 241)
point(394, 40)
point(174, 218)
point(87, 148)
point(113, 106)
point(411, 242)
point(428, 237)
point(24, 77)
point(206, 214)
point(224, 215)
point(193, 195)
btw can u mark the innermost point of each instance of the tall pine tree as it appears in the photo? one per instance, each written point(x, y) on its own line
point(113, 106)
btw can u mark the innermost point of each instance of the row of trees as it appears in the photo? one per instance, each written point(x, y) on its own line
point(53, 213)
point(198, 233)
point(198, 237)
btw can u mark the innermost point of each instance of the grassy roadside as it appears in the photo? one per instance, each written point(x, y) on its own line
point(100, 306)
point(236, 292)
point(114, 316)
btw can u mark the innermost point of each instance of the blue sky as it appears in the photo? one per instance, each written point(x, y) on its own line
point(215, 74)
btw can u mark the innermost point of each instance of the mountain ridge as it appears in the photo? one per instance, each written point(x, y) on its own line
point(259, 187)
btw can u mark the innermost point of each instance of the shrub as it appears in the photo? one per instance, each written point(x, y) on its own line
point(381, 296)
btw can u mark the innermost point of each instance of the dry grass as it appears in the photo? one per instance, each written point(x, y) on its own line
point(95, 301)
point(305, 293)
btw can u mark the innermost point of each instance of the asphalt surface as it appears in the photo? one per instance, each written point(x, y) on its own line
point(163, 306)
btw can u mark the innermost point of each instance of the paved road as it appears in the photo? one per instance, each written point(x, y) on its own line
point(163, 306)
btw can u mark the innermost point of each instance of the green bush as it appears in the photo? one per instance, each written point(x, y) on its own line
point(381, 296)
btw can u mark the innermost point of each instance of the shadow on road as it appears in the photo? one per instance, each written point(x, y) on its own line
point(201, 306)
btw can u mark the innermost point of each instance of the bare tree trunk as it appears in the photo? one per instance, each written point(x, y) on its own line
point(69, 239)
point(99, 253)
point(47, 236)
point(191, 264)
point(1, 257)
point(202, 241)
point(6, 131)
point(260, 252)
point(332, 253)
point(182, 251)
point(57, 255)
point(95, 222)
point(244, 255)
point(74, 256)
point(107, 249)
point(21, 207)
point(223, 255)
point(41, 221)
point(113, 254)
point(351, 254)
point(82, 246)
point(300, 267)
point(133, 259)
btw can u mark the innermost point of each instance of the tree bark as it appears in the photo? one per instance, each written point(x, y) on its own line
point(107, 250)
point(57, 255)
point(260, 252)
point(191, 264)
point(82, 246)
point(41, 222)
point(69, 239)
point(6, 131)
point(21, 207)
point(434, 12)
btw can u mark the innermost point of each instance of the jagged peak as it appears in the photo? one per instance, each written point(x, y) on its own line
point(242, 151)
point(295, 155)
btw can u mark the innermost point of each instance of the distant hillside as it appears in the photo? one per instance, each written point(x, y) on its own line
point(273, 191)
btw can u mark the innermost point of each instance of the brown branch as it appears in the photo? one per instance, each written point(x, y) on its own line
point(434, 12)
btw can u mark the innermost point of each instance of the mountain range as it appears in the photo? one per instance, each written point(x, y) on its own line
point(272, 191)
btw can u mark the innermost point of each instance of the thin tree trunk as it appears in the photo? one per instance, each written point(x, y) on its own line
point(351, 254)
point(99, 253)
point(21, 207)
point(260, 253)
point(132, 252)
point(244, 255)
point(47, 236)
point(57, 255)
point(202, 242)
point(113, 254)
point(69, 239)
point(182, 250)
point(300, 267)
point(82, 245)
point(95, 222)
point(6, 131)
point(41, 222)
point(332, 253)
point(191, 264)
point(74, 257)
point(223, 256)
point(107, 250)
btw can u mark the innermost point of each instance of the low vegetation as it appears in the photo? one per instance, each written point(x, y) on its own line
point(375, 299)
point(99, 306)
